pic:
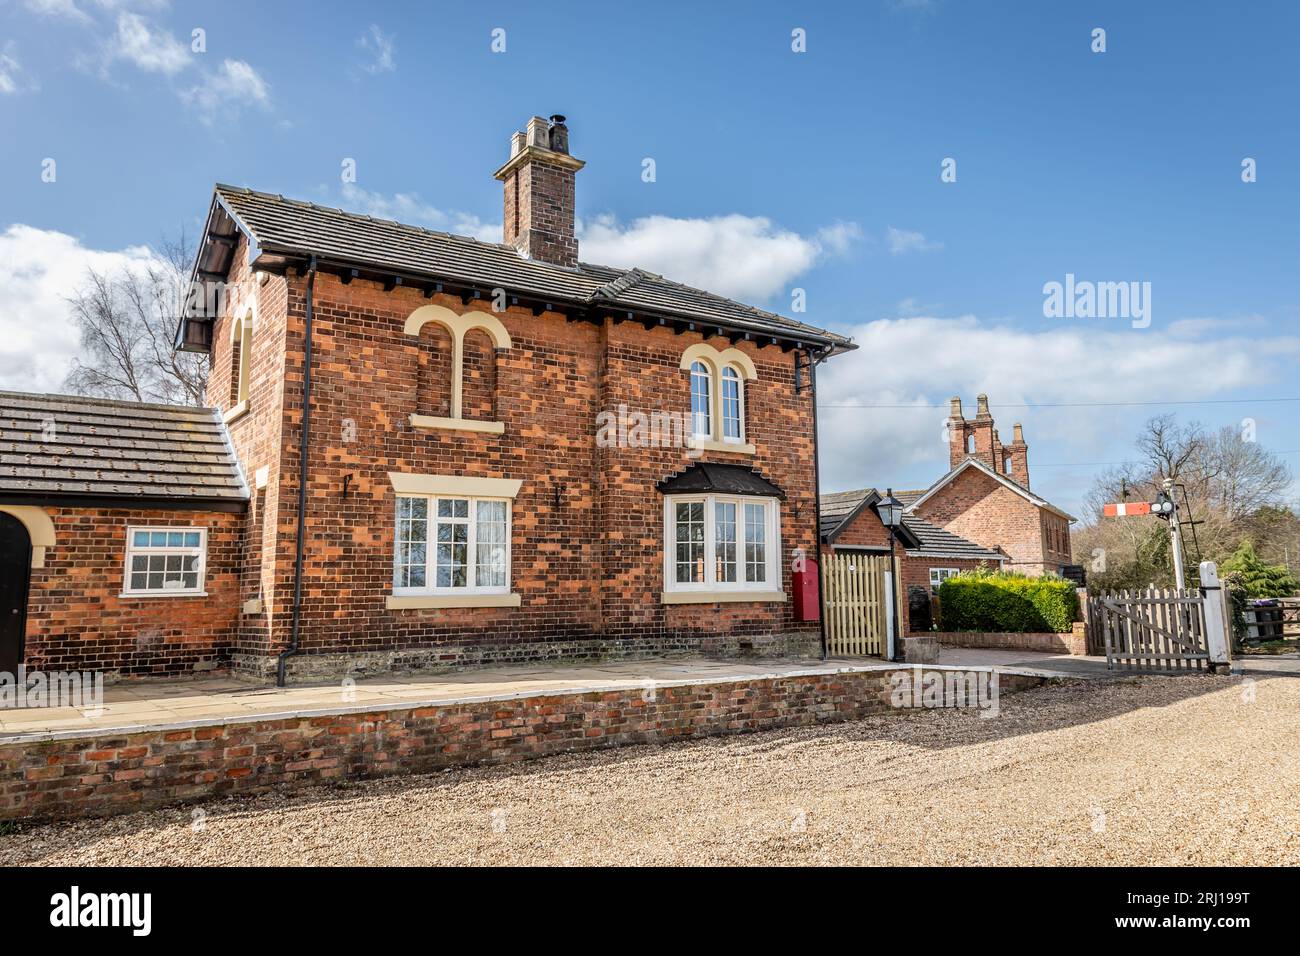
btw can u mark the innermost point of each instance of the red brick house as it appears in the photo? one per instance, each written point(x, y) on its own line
point(926, 554)
point(985, 496)
point(449, 452)
point(982, 510)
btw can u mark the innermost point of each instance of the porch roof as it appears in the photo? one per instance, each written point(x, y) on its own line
point(90, 452)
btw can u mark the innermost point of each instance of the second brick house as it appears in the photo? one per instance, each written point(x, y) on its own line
point(981, 512)
point(449, 451)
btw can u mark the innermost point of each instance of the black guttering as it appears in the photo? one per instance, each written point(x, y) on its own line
point(142, 502)
point(303, 475)
point(817, 492)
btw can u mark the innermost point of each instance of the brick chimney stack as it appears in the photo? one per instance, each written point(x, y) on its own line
point(539, 192)
point(973, 437)
point(1018, 452)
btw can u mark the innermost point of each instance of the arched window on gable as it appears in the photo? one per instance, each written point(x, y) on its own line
point(701, 400)
point(241, 361)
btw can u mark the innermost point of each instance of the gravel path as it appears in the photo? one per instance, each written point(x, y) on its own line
point(1148, 771)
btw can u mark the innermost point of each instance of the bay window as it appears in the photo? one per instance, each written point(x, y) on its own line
point(721, 545)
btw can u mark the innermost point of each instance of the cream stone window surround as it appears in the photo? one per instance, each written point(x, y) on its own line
point(415, 485)
point(716, 361)
point(39, 528)
point(457, 325)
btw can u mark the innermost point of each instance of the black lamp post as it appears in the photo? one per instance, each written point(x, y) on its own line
point(890, 510)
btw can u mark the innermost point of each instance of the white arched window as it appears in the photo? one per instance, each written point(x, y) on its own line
point(701, 400)
point(718, 381)
point(733, 425)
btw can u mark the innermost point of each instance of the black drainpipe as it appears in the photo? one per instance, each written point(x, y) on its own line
point(817, 507)
point(292, 649)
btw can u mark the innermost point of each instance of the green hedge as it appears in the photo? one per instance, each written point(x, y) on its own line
point(997, 601)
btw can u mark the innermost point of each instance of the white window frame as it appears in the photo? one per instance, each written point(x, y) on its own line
point(740, 405)
point(199, 590)
point(772, 542)
point(943, 573)
point(471, 547)
point(710, 399)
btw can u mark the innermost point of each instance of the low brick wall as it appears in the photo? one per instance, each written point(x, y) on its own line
point(117, 773)
point(313, 667)
point(1076, 642)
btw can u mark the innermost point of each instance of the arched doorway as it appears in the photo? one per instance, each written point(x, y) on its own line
point(15, 574)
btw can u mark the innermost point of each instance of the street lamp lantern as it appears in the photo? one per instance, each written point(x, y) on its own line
point(891, 510)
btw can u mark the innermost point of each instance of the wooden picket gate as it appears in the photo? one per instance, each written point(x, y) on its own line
point(853, 592)
point(1153, 630)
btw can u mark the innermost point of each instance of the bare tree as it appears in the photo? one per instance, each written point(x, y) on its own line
point(127, 321)
point(1241, 477)
point(1234, 489)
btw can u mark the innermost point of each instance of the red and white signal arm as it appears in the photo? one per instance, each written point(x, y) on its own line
point(1125, 508)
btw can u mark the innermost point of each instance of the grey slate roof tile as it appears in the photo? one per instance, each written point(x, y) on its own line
point(935, 541)
point(291, 226)
point(103, 448)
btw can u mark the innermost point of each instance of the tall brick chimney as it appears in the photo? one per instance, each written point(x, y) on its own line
point(539, 192)
point(957, 433)
point(973, 437)
point(1018, 453)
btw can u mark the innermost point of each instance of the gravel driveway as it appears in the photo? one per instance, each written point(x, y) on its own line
point(1196, 770)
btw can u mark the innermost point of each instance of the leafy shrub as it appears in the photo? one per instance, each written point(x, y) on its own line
point(1004, 601)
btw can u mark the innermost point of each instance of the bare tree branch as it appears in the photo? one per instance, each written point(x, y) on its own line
point(126, 320)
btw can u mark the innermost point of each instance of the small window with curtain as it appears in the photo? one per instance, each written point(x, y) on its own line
point(457, 545)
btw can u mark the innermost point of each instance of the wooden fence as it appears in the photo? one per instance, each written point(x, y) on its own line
point(1157, 630)
point(853, 591)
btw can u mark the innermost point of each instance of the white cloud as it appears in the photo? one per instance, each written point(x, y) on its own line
point(148, 48)
point(65, 9)
point(921, 362)
point(380, 46)
point(745, 257)
point(13, 78)
point(42, 269)
point(901, 241)
point(224, 94)
point(409, 208)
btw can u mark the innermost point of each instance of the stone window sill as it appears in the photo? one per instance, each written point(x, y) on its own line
point(457, 424)
point(401, 602)
point(736, 448)
point(239, 411)
point(149, 596)
point(720, 597)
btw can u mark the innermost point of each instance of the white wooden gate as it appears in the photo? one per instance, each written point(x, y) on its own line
point(1153, 630)
point(853, 593)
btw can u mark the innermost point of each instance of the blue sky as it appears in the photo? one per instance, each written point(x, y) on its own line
point(775, 170)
